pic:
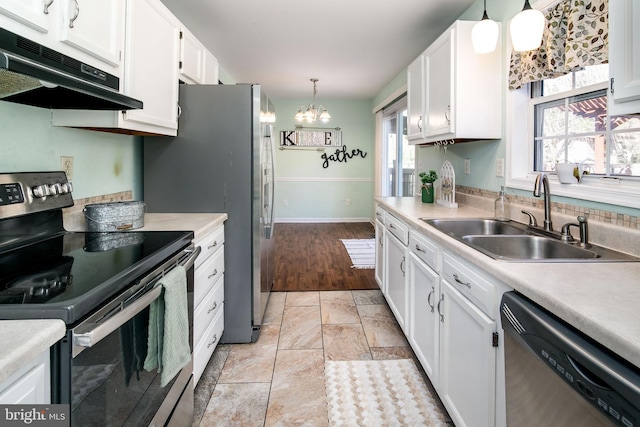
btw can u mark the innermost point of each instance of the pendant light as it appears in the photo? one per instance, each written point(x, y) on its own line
point(310, 113)
point(527, 28)
point(484, 34)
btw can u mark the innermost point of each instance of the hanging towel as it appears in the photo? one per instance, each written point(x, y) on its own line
point(168, 346)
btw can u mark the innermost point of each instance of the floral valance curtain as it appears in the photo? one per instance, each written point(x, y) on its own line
point(576, 35)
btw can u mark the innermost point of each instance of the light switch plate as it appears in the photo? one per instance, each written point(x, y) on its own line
point(500, 168)
point(66, 164)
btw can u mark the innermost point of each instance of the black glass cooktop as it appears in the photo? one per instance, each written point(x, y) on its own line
point(68, 275)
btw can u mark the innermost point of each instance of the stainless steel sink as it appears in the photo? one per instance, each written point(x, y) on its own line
point(517, 242)
point(528, 248)
point(467, 227)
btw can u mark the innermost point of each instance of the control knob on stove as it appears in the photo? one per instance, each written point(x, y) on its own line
point(66, 188)
point(40, 191)
point(55, 189)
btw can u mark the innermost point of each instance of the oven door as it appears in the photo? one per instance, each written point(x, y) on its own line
point(101, 371)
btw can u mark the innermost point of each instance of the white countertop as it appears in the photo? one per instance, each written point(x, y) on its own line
point(23, 340)
point(601, 299)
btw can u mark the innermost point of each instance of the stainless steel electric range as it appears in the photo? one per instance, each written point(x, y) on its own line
point(101, 285)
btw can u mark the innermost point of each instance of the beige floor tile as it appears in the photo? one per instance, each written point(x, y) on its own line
point(241, 405)
point(387, 353)
point(345, 342)
point(368, 297)
point(252, 362)
point(380, 326)
point(298, 396)
point(302, 298)
point(275, 308)
point(301, 328)
point(344, 296)
point(339, 311)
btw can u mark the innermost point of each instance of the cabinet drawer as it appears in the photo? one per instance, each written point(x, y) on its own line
point(424, 249)
point(208, 309)
point(397, 228)
point(206, 276)
point(380, 214)
point(470, 282)
point(210, 244)
point(207, 344)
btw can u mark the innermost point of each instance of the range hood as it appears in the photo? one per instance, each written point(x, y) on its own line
point(33, 74)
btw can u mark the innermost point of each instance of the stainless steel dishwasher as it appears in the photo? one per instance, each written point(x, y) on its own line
point(556, 376)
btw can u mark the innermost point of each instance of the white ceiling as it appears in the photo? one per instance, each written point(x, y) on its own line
point(354, 47)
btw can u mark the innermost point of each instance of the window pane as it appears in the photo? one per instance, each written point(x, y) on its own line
point(625, 153)
point(592, 75)
point(587, 115)
point(553, 150)
point(625, 122)
point(557, 85)
point(553, 119)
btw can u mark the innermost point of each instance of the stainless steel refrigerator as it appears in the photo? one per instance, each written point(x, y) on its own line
point(222, 161)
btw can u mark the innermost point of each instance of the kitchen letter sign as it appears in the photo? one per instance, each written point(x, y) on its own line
point(311, 138)
point(341, 156)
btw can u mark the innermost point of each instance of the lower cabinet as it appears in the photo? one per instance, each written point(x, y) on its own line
point(379, 272)
point(395, 259)
point(29, 385)
point(208, 311)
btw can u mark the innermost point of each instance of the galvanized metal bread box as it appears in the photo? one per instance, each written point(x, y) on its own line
point(114, 216)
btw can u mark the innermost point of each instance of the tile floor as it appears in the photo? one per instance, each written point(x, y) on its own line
point(279, 380)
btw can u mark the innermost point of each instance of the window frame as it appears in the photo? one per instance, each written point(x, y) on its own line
point(520, 145)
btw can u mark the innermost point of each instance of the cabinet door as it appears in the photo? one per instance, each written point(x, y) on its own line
point(624, 56)
point(467, 361)
point(395, 278)
point(379, 275)
point(94, 27)
point(424, 289)
point(439, 69)
point(211, 67)
point(151, 70)
point(416, 99)
point(191, 58)
point(35, 14)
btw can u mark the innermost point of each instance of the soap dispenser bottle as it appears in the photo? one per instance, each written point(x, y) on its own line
point(501, 212)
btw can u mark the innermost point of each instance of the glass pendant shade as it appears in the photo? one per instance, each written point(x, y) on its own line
point(527, 28)
point(312, 113)
point(484, 36)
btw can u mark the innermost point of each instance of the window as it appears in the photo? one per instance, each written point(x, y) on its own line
point(571, 124)
point(399, 162)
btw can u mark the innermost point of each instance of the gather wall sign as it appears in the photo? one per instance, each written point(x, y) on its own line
point(320, 138)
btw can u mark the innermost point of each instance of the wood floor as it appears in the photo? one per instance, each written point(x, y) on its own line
point(311, 257)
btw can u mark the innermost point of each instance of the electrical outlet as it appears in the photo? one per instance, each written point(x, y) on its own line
point(500, 168)
point(66, 164)
point(467, 166)
point(285, 202)
point(347, 202)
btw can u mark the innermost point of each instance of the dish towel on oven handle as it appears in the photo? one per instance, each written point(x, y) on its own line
point(168, 347)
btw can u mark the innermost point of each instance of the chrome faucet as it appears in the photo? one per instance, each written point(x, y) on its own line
point(542, 179)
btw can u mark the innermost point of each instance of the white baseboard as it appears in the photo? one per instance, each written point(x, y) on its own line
point(320, 220)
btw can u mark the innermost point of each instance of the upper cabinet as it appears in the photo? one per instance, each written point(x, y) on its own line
point(86, 30)
point(461, 91)
point(197, 64)
point(624, 56)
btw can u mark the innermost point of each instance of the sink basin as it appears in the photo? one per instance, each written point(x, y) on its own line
point(466, 227)
point(527, 248)
point(516, 242)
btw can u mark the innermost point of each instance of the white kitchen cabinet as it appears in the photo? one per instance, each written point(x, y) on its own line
point(395, 257)
point(150, 75)
point(197, 64)
point(424, 295)
point(88, 31)
point(416, 99)
point(208, 317)
point(29, 385)
point(462, 89)
point(624, 57)
point(379, 230)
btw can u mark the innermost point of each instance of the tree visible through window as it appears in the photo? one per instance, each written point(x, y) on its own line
point(572, 125)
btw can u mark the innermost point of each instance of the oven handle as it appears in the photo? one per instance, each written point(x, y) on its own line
point(101, 330)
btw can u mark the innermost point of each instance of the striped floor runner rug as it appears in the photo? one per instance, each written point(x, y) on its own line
point(361, 251)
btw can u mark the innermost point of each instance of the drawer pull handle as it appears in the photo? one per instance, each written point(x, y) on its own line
point(418, 248)
point(433, 290)
point(46, 7)
point(215, 339)
point(75, 14)
point(402, 266)
point(215, 271)
point(215, 305)
point(213, 245)
point(391, 225)
point(457, 279)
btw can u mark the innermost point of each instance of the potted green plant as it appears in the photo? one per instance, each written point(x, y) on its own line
point(427, 180)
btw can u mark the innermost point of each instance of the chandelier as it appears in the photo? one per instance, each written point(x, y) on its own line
point(311, 113)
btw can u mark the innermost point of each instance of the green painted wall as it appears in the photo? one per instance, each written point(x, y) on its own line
point(104, 163)
point(316, 194)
